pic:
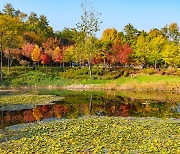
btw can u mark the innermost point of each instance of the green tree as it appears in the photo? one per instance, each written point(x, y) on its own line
point(131, 34)
point(9, 10)
point(67, 36)
point(37, 29)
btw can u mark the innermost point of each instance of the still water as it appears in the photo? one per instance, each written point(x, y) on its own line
point(82, 103)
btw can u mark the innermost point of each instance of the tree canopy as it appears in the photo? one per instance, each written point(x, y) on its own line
point(30, 38)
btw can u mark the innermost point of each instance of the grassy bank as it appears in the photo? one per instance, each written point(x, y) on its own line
point(74, 78)
point(94, 134)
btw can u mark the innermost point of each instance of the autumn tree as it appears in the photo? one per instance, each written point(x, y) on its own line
point(50, 45)
point(109, 38)
point(119, 54)
point(140, 51)
point(123, 54)
point(45, 59)
point(35, 55)
point(57, 55)
point(12, 55)
point(70, 55)
point(27, 49)
point(11, 35)
point(89, 25)
point(171, 54)
point(110, 35)
point(154, 49)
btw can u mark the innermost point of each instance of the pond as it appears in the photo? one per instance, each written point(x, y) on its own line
point(87, 103)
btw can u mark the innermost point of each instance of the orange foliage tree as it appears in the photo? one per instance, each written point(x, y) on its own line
point(57, 55)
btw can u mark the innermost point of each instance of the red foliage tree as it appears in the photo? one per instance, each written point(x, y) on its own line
point(123, 54)
point(119, 54)
point(97, 59)
point(44, 58)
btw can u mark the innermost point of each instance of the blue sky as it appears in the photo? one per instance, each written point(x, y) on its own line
point(143, 14)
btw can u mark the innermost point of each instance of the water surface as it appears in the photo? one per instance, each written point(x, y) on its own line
point(82, 103)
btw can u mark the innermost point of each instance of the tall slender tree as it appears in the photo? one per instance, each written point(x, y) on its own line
point(89, 25)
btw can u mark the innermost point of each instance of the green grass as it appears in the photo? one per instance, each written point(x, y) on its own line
point(93, 135)
point(41, 76)
point(149, 78)
point(121, 78)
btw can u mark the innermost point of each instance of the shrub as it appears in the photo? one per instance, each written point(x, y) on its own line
point(150, 71)
point(178, 72)
point(95, 70)
point(111, 75)
point(101, 71)
point(162, 72)
point(171, 71)
point(126, 73)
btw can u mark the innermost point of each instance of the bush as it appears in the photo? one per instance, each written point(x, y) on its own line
point(162, 72)
point(171, 71)
point(75, 73)
point(111, 75)
point(100, 72)
point(95, 70)
point(150, 71)
point(178, 72)
point(126, 73)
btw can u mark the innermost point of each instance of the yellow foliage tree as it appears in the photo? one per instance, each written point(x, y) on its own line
point(35, 55)
point(70, 54)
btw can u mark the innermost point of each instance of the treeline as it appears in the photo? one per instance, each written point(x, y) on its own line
point(28, 39)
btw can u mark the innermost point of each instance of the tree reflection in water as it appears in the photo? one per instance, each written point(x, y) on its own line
point(74, 107)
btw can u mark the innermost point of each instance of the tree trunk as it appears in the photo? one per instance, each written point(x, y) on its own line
point(104, 63)
point(1, 65)
point(34, 66)
point(90, 68)
point(9, 63)
point(155, 64)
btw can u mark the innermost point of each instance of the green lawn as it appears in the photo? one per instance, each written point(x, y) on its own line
point(119, 79)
